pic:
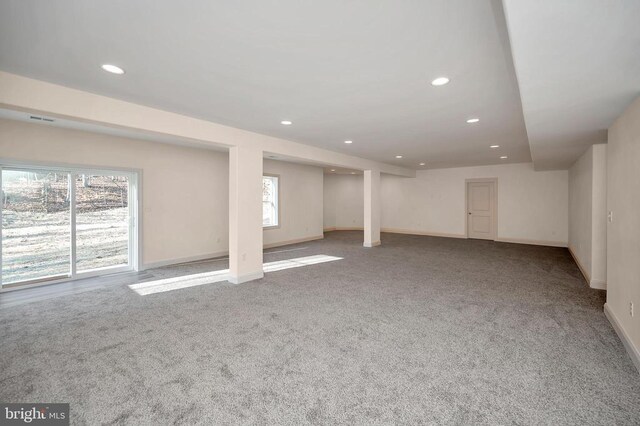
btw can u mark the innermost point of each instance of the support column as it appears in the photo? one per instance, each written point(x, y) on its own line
point(245, 214)
point(371, 208)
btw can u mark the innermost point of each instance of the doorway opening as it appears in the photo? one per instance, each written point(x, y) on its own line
point(482, 208)
point(60, 224)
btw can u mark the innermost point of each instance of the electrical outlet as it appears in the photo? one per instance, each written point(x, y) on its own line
point(610, 216)
point(631, 308)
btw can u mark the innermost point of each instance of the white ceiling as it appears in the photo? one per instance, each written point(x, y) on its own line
point(578, 68)
point(357, 70)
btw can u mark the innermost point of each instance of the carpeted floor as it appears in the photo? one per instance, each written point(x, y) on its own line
point(418, 330)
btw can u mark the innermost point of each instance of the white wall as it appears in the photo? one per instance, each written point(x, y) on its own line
point(330, 184)
point(599, 217)
point(580, 211)
point(532, 206)
point(344, 201)
point(185, 191)
point(301, 202)
point(623, 233)
point(587, 214)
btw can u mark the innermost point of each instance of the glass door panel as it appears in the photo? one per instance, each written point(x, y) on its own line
point(102, 221)
point(36, 225)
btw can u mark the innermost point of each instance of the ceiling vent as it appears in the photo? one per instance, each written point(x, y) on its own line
point(35, 117)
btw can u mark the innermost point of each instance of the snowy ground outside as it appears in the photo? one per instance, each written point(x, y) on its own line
point(37, 244)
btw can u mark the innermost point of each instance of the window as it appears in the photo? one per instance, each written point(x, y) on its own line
point(270, 203)
point(102, 221)
point(36, 220)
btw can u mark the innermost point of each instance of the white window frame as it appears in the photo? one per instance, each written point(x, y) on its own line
point(135, 232)
point(277, 201)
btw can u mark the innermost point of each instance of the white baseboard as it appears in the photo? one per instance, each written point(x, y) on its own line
point(169, 262)
point(425, 233)
point(246, 278)
point(397, 231)
point(593, 283)
point(296, 241)
point(584, 272)
point(373, 244)
point(633, 352)
point(533, 242)
point(446, 235)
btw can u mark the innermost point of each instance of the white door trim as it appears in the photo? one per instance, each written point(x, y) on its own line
point(494, 204)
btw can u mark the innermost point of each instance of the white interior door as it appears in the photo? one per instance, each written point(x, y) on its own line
point(481, 210)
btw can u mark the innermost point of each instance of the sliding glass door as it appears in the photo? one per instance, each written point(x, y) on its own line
point(36, 223)
point(63, 223)
point(102, 221)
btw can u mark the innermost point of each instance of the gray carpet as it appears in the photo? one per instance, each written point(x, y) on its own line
point(419, 330)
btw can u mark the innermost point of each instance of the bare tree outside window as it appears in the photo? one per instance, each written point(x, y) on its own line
point(35, 225)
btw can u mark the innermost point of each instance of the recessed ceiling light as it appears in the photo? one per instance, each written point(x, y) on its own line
point(113, 69)
point(494, 146)
point(422, 164)
point(353, 173)
point(286, 122)
point(398, 156)
point(333, 170)
point(473, 120)
point(504, 157)
point(348, 141)
point(440, 81)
